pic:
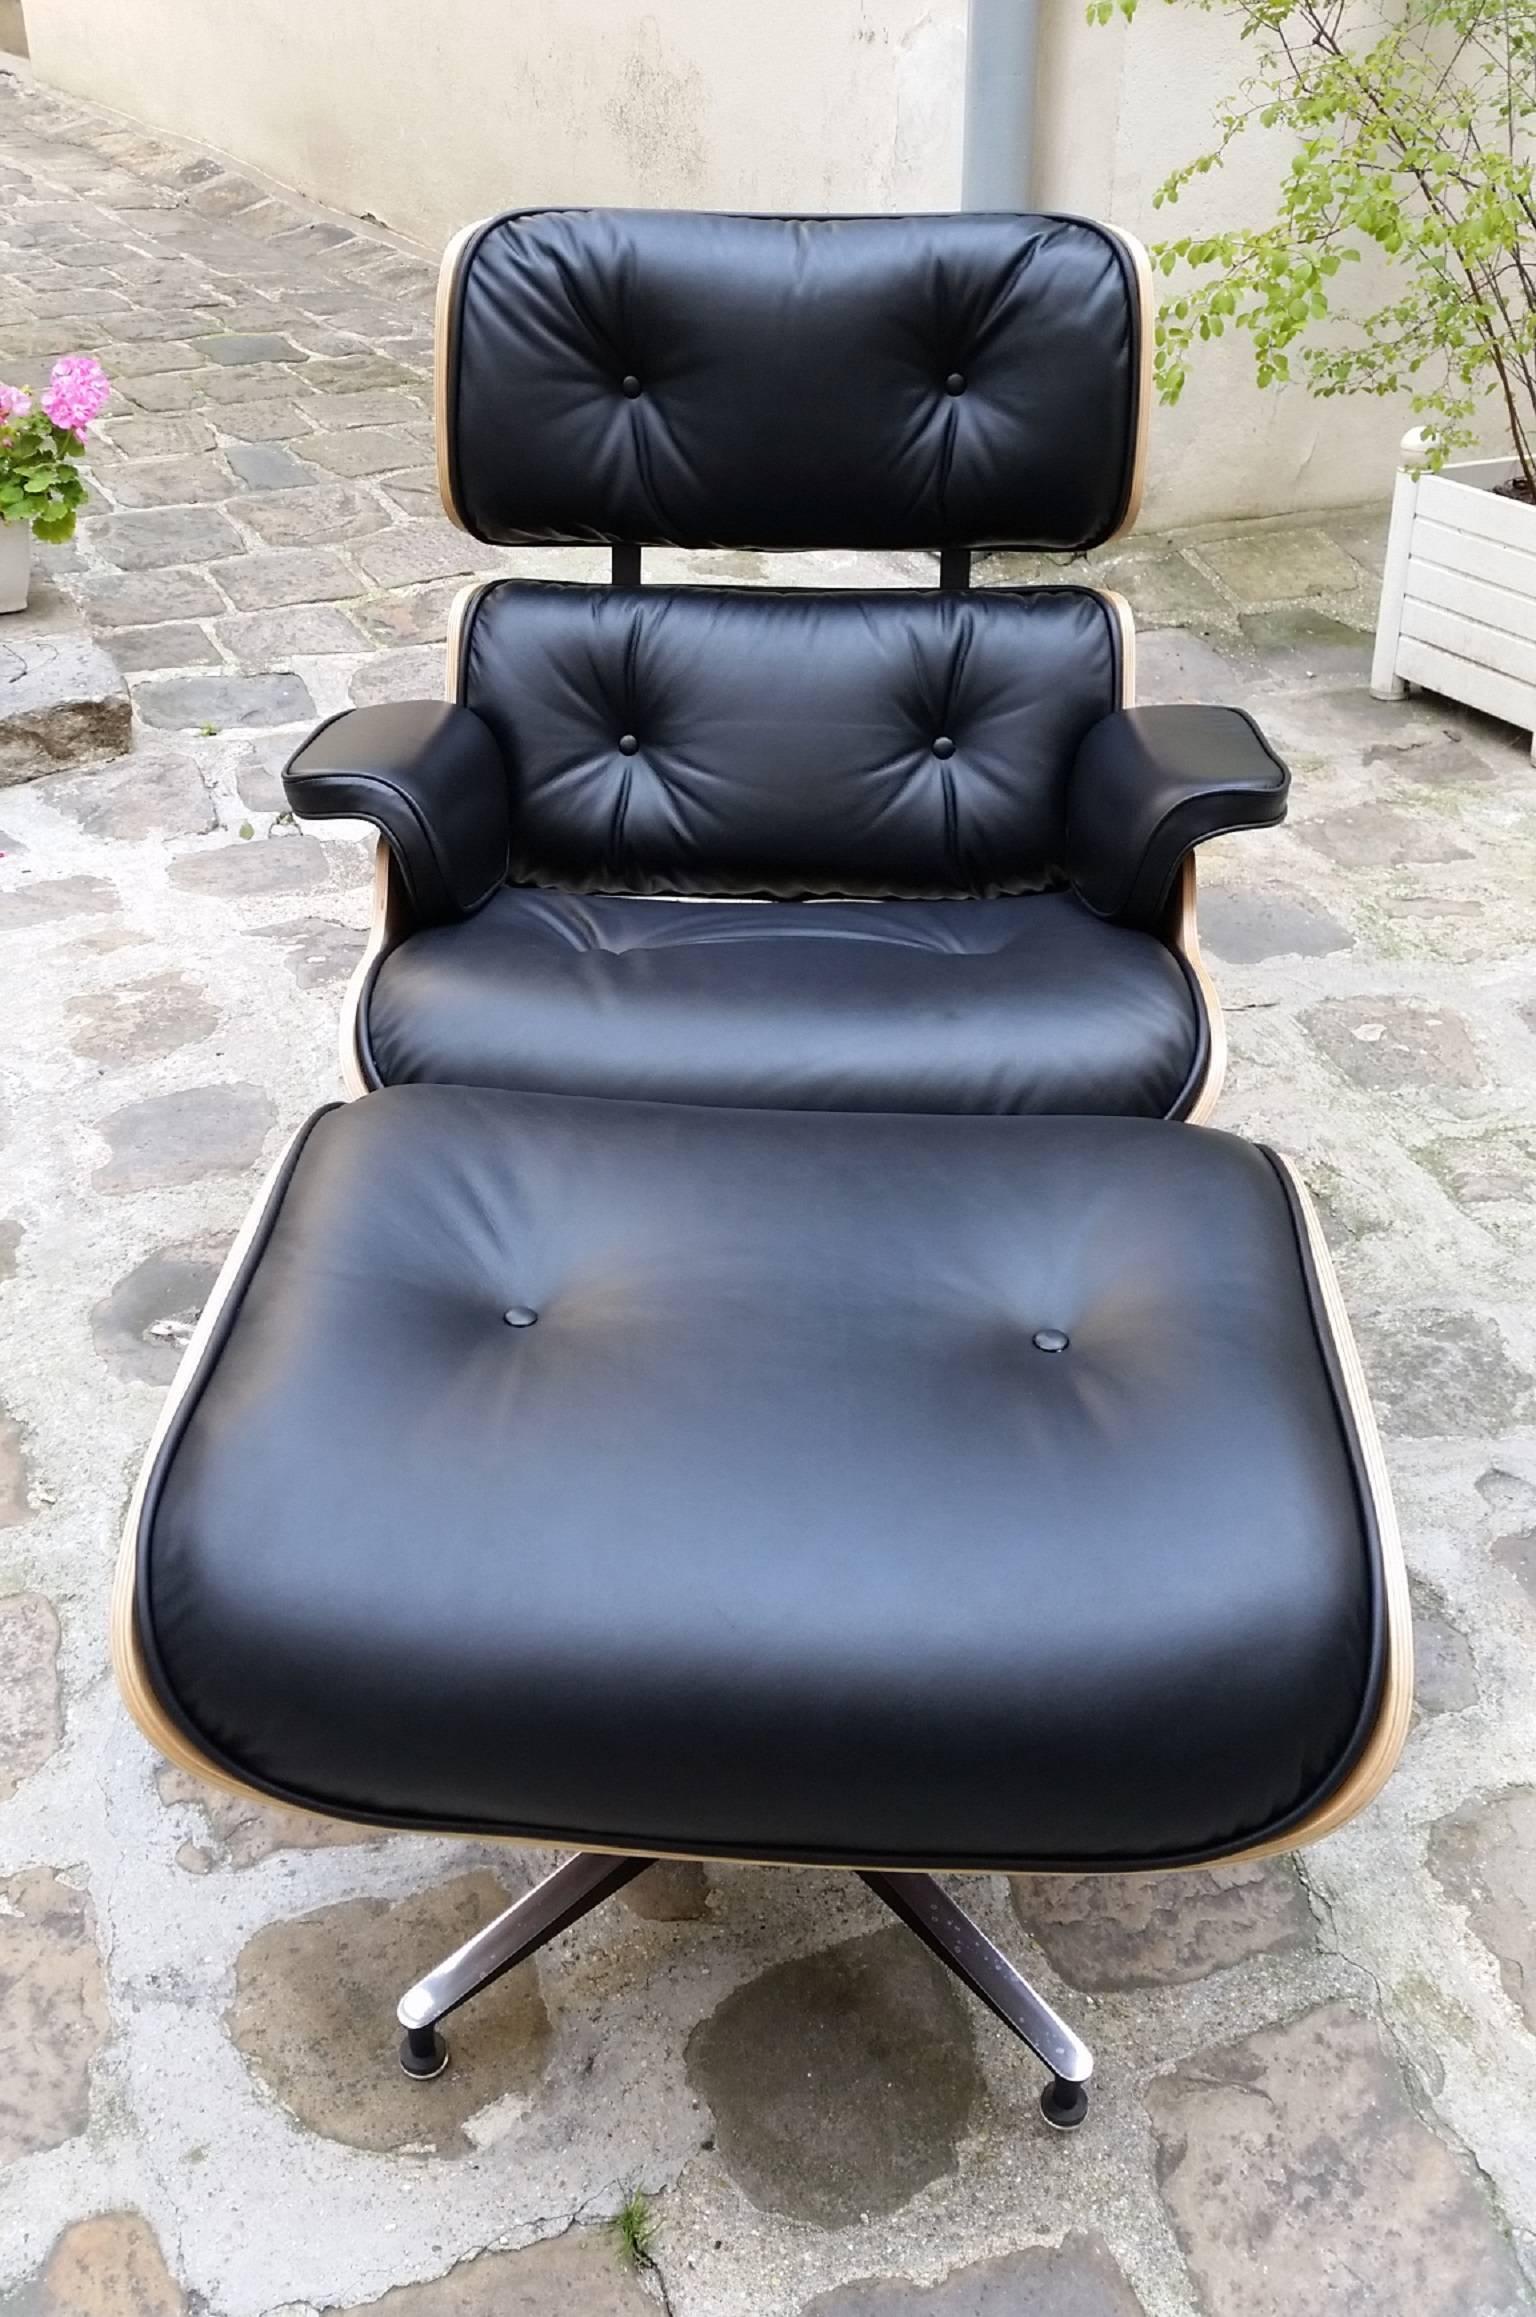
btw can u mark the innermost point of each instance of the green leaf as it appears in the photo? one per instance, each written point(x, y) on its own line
point(1412, 132)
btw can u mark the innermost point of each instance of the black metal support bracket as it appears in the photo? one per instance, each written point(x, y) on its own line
point(954, 569)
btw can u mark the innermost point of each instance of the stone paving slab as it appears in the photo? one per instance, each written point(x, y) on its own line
point(1300, 2176)
point(62, 698)
point(1317, 2077)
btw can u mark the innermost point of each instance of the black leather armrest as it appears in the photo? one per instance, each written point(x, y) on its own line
point(1147, 786)
point(431, 777)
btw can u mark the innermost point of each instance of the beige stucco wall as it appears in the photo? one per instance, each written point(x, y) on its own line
point(429, 112)
point(426, 112)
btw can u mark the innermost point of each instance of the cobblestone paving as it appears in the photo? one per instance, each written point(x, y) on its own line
point(1318, 2077)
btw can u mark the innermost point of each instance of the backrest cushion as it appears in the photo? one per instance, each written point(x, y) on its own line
point(788, 743)
point(695, 380)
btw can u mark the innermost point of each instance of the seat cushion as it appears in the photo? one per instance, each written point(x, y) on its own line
point(1024, 1004)
point(778, 1531)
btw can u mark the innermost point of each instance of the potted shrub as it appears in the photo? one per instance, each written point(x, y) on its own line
point(1414, 136)
point(41, 442)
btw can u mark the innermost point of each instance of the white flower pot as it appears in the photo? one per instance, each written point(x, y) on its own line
point(1458, 595)
point(15, 565)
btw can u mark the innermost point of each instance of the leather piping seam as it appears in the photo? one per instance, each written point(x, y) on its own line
point(1132, 448)
point(1356, 1463)
point(187, 1407)
point(1387, 1729)
point(367, 1060)
point(465, 606)
point(1144, 322)
point(472, 597)
point(1199, 1068)
point(1235, 788)
point(428, 836)
point(1116, 633)
point(383, 935)
point(1200, 1063)
point(312, 735)
point(1181, 934)
point(361, 1051)
point(1139, 324)
point(1262, 737)
point(451, 324)
point(1375, 1682)
point(1130, 911)
point(1272, 1834)
point(319, 779)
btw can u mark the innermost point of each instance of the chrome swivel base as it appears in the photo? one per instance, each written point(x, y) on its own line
point(583, 1883)
point(551, 1907)
point(964, 1948)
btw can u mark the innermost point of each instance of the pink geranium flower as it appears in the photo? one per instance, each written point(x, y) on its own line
point(77, 392)
point(15, 402)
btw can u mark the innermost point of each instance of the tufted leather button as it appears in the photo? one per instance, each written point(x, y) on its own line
point(630, 384)
point(1050, 1339)
point(955, 382)
point(943, 746)
point(520, 1316)
point(628, 744)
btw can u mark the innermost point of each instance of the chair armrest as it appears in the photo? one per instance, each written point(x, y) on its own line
point(430, 776)
point(1147, 786)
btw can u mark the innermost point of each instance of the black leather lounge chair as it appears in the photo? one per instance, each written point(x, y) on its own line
point(760, 1373)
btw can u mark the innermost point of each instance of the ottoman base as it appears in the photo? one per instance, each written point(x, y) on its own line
point(585, 1881)
point(900, 1494)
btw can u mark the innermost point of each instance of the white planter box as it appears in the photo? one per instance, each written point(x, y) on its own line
point(1458, 596)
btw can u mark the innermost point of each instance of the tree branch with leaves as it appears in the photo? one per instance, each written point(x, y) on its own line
point(1413, 136)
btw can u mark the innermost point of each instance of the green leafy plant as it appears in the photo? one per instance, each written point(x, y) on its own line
point(633, 2229)
point(1414, 134)
point(41, 441)
point(39, 482)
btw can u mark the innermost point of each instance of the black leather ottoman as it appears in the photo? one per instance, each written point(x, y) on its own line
point(893, 1492)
